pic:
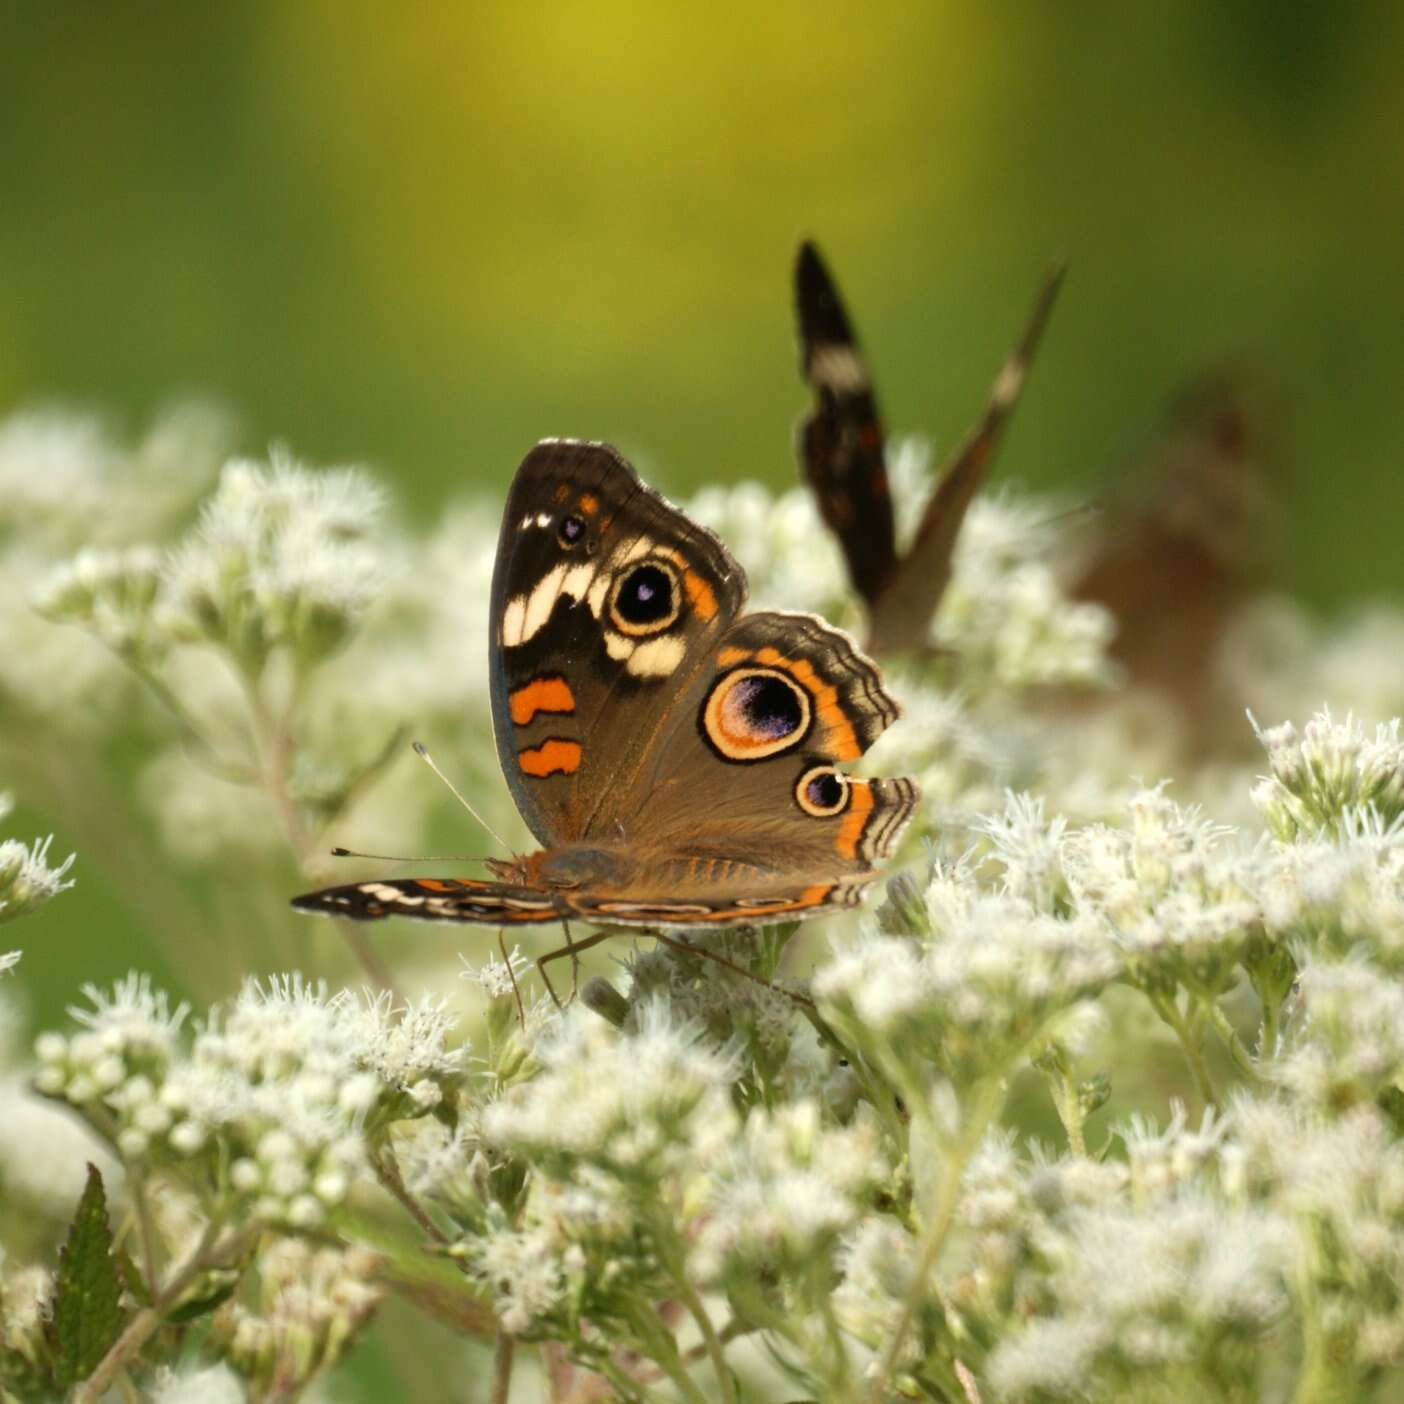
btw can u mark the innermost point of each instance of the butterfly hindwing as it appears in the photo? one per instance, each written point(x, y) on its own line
point(753, 770)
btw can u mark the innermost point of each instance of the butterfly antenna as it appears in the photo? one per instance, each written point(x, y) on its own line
point(423, 753)
point(407, 857)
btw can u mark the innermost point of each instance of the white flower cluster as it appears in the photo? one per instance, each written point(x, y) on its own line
point(1329, 773)
point(791, 560)
point(66, 485)
point(784, 1192)
point(1005, 614)
point(27, 880)
point(111, 590)
point(280, 556)
point(985, 980)
point(312, 1303)
point(1338, 1180)
point(25, 1295)
point(1190, 1279)
point(276, 1097)
point(1347, 890)
point(1169, 886)
point(1352, 1049)
point(637, 1105)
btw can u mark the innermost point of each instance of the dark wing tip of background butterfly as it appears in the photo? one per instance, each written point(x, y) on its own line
point(821, 313)
point(1043, 305)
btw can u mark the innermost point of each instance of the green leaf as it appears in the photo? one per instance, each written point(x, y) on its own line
point(87, 1317)
point(206, 1302)
point(131, 1276)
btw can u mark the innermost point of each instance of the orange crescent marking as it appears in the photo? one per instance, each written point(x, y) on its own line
point(728, 656)
point(840, 740)
point(436, 885)
point(551, 757)
point(702, 596)
point(551, 694)
point(855, 819)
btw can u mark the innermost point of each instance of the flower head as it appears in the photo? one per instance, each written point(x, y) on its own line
point(26, 879)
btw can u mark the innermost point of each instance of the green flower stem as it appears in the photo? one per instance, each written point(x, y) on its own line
point(1319, 1379)
point(660, 1346)
point(1068, 1104)
point(1187, 1029)
point(387, 1171)
point(1242, 1058)
point(985, 1105)
point(715, 1351)
point(1269, 1030)
point(275, 748)
point(200, 748)
point(141, 1211)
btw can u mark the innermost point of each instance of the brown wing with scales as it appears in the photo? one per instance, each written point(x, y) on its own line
point(606, 600)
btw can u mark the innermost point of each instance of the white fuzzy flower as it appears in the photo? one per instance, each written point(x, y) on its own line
point(1327, 772)
point(281, 556)
point(1169, 886)
point(784, 1191)
point(497, 978)
point(210, 1384)
point(280, 1087)
point(1352, 1045)
point(111, 590)
point(8, 961)
point(26, 879)
point(1137, 1292)
point(792, 561)
point(878, 1262)
point(312, 1303)
point(1004, 613)
point(1028, 848)
point(992, 973)
point(624, 1101)
point(524, 1274)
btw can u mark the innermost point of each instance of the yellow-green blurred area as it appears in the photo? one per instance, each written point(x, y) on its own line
point(425, 236)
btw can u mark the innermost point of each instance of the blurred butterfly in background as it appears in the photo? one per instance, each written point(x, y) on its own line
point(842, 454)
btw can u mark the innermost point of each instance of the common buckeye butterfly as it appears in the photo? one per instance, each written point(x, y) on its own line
point(678, 760)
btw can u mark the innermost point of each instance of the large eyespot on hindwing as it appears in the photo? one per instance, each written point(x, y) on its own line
point(645, 598)
point(823, 792)
point(752, 713)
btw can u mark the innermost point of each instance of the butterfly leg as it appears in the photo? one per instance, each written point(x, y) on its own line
point(511, 975)
point(731, 965)
point(571, 949)
point(574, 963)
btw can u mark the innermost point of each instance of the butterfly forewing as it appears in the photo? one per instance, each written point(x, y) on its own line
point(605, 601)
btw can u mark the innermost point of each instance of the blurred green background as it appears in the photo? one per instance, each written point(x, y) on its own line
point(425, 236)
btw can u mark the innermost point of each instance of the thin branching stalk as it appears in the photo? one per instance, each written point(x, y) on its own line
point(984, 1106)
point(503, 1354)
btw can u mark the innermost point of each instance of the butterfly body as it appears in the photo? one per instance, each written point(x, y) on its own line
point(678, 760)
